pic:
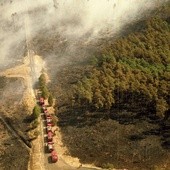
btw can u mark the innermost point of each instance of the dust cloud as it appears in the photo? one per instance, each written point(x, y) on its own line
point(71, 19)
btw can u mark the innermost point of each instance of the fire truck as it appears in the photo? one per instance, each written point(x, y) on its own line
point(41, 101)
point(50, 136)
point(49, 127)
point(50, 146)
point(54, 157)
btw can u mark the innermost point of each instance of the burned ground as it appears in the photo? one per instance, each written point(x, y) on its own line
point(108, 142)
point(14, 152)
point(121, 138)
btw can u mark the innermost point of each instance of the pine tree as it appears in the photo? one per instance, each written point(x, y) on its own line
point(36, 112)
point(42, 80)
point(50, 100)
point(45, 92)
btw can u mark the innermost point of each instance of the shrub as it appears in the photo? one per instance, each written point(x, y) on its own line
point(34, 124)
point(42, 80)
point(45, 92)
point(50, 100)
point(54, 120)
point(36, 112)
point(108, 166)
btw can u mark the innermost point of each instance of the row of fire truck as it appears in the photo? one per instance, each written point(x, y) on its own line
point(49, 124)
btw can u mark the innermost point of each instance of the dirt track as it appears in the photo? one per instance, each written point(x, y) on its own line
point(38, 144)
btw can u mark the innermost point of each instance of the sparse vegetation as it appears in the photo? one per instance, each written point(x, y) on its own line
point(2, 82)
point(34, 124)
point(12, 148)
point(108, 166)
point(54, 120)
point(33, 134)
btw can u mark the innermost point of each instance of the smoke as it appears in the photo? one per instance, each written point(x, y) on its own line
point(72, 19)
point(77, 18)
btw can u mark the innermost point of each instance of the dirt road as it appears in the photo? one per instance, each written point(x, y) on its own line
point(42, 160)
point(61, 164)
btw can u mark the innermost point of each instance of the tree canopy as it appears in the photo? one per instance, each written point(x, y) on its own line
point(138, 64)
point(36, 112)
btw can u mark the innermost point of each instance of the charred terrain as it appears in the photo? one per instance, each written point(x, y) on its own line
point(113, 108)
point(112, 93)
point(12, 129)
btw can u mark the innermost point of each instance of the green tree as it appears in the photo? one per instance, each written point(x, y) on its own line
point(45, 92)
point(50, 99)
point(36, 112)
point(42, 80)
point(138, 63)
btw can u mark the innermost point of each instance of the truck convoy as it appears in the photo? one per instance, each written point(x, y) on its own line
point(49, 124)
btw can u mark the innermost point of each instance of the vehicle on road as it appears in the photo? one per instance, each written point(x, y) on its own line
point(49, 127)
point(50, 146)
point(50, 136)
point(54, 157)
point(46, 114)
point(41, 101)
point(49, 119)
point(49, 116)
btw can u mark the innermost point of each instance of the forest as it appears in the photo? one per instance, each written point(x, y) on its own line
point(113, 95)
point(136, 66)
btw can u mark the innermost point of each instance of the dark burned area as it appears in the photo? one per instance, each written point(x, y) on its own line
point(125, 137)
point(14, 154)
point(130, 135)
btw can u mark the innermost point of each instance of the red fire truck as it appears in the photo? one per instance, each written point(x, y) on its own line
point(54, 157)
point(49, 119)
point(50, 136)
point(49, 127)
point(41, 101)
point(50, 146)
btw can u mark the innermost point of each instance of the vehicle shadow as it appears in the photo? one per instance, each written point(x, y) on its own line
point(49, 160)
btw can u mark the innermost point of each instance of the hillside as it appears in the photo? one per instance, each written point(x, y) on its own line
point(113, 107)
point(12, 116)
point(108, 68)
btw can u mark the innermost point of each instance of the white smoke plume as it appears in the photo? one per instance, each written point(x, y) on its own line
point(71, 18)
